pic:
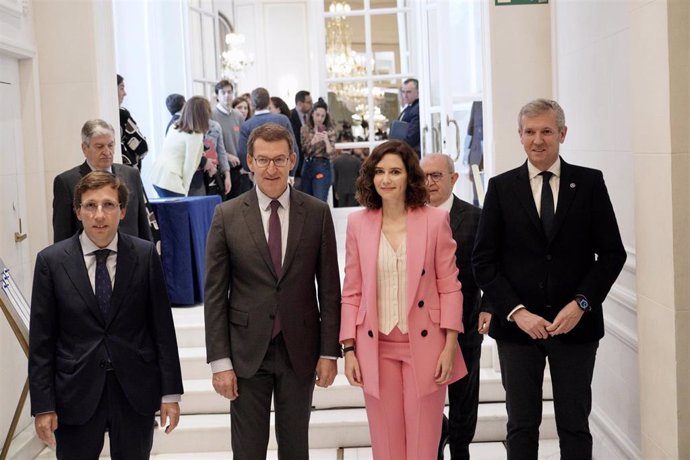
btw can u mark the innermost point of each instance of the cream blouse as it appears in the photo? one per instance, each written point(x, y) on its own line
point(391, 286)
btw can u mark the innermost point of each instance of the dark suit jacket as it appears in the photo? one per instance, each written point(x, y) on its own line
point(65, 222)
point(256, 121)
point(464, 219)
point(243, 293)
point(345, 172)
point(411, 116)
point(70, 339)
point(297, 130)
point(516, 263)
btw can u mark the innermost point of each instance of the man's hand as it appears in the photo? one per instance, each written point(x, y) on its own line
point(566, 319)
point(326, 369)
point(484, 322)
point(225, 384)
point(45, 425)
point(234, 160)
point(170, 411)
point(534, 325)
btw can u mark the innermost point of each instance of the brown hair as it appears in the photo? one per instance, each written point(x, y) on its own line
point(239, 100)
point(416, 194)
point(194, 116)
point(269, 132)
point(99, 179)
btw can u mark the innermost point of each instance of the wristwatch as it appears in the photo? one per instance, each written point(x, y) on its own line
point(346, 349)
point(583, 303)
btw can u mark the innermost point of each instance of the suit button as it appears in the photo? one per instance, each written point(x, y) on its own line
point(423, 272)
point(424, 333)
point(371, 334)
point(420, 304)
point(102, 364)
point(548, 256)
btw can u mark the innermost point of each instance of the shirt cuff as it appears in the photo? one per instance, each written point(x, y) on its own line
point(329, 357)
point(512, 312)
point(221, 365)
point(171, 399)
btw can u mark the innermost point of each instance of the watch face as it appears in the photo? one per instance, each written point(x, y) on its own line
point(584, 304)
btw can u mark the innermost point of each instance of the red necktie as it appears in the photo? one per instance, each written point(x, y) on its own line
point(275, 248)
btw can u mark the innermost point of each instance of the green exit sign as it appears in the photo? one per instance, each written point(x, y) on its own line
point(521, 2)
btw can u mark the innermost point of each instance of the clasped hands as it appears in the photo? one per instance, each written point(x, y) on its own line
point(539, 328)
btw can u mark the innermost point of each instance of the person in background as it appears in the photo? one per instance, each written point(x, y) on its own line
point(103, 354)
point(215, 179)
point(278, 105)
point(346, 168)
point(318, 140)
point(174, 103)
point(463, 395)
point(298, 118)
point(133, 143)
point(230, 121)
point(410, 113)
point(97, 145)
point(240, 104)
point(401, 305)
point(182, 152)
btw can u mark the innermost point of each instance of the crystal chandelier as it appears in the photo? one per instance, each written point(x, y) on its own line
point(234, 58)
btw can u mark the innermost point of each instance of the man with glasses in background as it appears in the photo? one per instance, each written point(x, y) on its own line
point(271, 302)
point(463, 395)
point(102, 347)
point(97, 145)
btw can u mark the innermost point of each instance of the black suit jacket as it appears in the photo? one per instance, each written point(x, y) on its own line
point(411, 116)
point(70, 339)
point(516, 263)
point(464, 220)
point(65, 222)
point(242, 292)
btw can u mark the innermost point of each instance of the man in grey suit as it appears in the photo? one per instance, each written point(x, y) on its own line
point(272, 302)
point(97, 144)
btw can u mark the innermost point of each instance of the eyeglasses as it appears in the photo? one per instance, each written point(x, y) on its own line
point(434, 176)
point(108, 207)
point(278, 162)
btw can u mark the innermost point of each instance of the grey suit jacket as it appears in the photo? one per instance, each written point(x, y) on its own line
point(65, 222)
point(243, 293)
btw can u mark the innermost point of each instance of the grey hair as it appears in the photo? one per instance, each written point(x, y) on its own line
point(538, 106)
point(447, 158)
point(95, 127)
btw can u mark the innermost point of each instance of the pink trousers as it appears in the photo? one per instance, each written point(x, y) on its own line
point(402, 425)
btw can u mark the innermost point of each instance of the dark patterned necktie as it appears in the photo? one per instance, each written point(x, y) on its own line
point(275, 248)
point(547, 211)
point(104, 288)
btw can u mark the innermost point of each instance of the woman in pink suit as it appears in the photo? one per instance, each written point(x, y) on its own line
point(401, 306)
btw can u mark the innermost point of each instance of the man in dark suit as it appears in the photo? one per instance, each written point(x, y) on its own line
point(548, 251)
point(410, 113)
point(97, 144)
point(269, 329)
point(102, 349)
point(261, 99)
point(174, 103)
point(345, 172)
point(298, 118)
point(463, 395)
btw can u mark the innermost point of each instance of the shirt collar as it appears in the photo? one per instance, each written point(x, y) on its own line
point(89, 247)
point(534, 171)
point(260, 112)
point(110, 169)
point(220, 107)
point(448, 204)
point(265, 200)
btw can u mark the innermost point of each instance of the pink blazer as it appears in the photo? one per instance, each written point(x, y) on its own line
point(433, 294)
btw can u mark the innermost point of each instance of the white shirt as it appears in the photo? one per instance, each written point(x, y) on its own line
point(447, 205)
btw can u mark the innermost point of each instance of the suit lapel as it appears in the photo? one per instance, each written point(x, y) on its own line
point(84, 169)
point(417, 229)
point(524, 194)
point(369, 253)
point(76, 271)
point(566, 194)
point(126, 266)
point(456, 215)
point(255, 226)
point(297, 217)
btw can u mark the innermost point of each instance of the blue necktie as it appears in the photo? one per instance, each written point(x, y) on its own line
point(104, 288)
point(547, 211)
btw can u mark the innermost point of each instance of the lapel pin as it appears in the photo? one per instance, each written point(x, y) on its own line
point(572, 185)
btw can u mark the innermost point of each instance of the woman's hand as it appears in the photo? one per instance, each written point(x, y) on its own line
point(227, 182)
point(354, 376)
point(444, 366)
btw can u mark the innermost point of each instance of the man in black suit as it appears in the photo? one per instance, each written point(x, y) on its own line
point(271, 302)
point(410, 113)
point(102, 347)
point(345, 172)
point(463, 395)
point(298, 118)
point(548, 251)
point(97, 144)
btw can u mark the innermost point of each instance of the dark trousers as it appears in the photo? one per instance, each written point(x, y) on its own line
point(250, 413)
point(463, 402)
point(131, 434)
point(522, 373)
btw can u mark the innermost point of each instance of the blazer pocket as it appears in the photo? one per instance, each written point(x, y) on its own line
point(65, 365)
point(147, 355)
point(239, 318)
point(435, 315)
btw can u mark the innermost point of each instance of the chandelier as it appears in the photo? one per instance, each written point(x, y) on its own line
point(234, 58)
